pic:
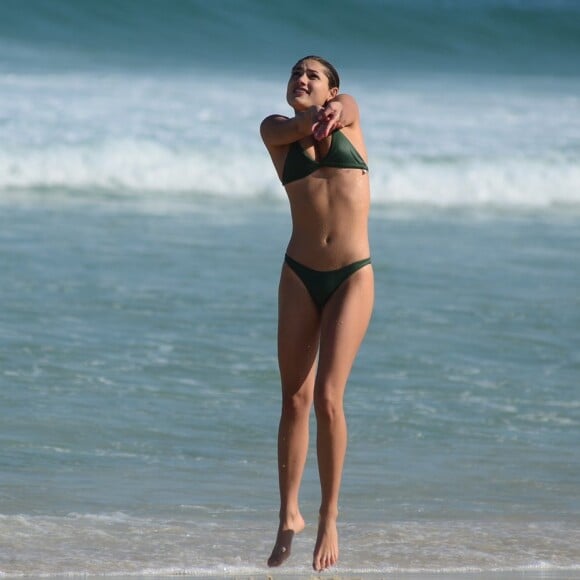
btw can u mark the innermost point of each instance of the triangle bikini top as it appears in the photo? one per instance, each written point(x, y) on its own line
point(341, 154)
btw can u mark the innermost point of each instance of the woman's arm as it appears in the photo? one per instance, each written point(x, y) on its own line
point(278, 130)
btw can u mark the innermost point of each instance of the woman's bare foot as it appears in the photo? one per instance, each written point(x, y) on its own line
point(326, 549)
point(283, 546)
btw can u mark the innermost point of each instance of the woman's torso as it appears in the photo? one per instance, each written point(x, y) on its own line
point(329, 207)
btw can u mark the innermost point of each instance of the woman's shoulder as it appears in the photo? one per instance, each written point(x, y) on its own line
point(272, 130)
point(346, 98)
point(274, 119)
point(279, 130)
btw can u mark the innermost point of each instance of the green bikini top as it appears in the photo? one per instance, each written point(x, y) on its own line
point(341, 154)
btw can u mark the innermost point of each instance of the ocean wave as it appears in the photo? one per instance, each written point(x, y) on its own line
point(135, 169)
point(430, 141)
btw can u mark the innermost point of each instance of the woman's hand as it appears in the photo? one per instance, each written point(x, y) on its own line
point(328, 119)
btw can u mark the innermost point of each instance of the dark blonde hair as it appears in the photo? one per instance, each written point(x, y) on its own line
point(331, 72)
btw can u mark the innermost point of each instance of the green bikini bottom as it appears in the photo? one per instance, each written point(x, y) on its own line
point(321, 285)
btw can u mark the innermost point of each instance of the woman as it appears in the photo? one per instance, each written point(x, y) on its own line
point(326, 288)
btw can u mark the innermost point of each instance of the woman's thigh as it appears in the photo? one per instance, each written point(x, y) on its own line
point(298, 334)
point(345, 320)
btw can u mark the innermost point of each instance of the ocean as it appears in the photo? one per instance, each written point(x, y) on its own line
point(142, 232)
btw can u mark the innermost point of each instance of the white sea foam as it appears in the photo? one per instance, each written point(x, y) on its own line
point(479, 182)
point(428, 143)
point(132, 168)
point(128, 166)
point(119, 544)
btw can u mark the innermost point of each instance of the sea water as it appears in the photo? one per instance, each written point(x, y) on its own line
point(142, 231)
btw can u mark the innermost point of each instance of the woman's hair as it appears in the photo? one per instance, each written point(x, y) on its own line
point(331, 72)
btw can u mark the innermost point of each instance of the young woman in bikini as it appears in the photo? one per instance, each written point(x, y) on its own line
point(326, 288)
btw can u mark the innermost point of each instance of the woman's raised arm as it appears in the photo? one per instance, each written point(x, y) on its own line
point(278, 130)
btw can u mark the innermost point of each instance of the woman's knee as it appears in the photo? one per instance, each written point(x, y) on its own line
point(297, 404)
point(328, 406)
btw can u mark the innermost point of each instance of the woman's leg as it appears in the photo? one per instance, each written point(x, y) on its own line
point(298, 338)
point(345, 320)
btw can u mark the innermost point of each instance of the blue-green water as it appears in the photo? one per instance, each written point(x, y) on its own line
point(255, 36)
point(142, 231)
point(140, 397)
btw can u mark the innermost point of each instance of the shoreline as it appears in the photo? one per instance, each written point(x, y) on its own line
point(539, 574)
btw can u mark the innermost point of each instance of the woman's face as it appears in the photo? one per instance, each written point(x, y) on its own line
point(308, 86)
